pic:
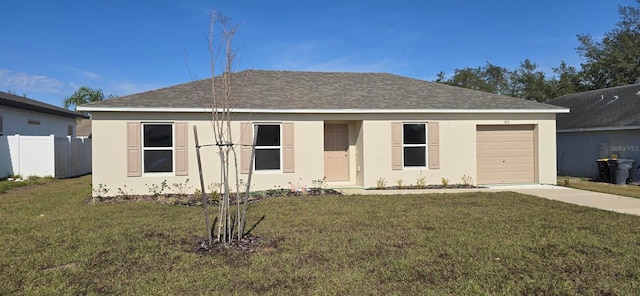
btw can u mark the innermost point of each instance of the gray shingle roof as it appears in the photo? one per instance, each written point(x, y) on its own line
point(11, 100)
point(289, 90)
point(83, 128)
point(600, 108)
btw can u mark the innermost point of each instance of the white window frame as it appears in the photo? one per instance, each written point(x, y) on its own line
point(425, 145)
point(279, 147)
point(143, 149)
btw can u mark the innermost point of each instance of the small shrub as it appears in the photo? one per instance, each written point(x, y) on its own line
point(182, 188)
point(400, 184)
point(100, 192)
point(214, 187)
point(467, 180)
point(567, 183)
point(381, 183)
point(445, 182)
point(156, 190)
point(242, 186)
point(298, 187)
point(124, 193)
point(320, 183)
point(421, 183)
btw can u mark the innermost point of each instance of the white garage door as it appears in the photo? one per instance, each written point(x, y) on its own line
point(505, 154)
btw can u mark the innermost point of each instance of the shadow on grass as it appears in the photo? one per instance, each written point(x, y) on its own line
point(254, 225)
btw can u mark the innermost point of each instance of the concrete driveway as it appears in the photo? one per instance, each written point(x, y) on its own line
point(609, 202)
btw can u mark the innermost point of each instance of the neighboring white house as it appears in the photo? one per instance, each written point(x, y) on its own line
point(352, 128)
point(26, 117)
point(602, 123)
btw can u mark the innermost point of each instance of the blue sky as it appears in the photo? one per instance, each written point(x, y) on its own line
point(50, 48)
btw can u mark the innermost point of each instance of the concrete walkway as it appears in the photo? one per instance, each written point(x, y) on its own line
point(609, 202)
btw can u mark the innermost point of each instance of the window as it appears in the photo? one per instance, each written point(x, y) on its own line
point(414, 144)
point(157, 148)
point(268, 146)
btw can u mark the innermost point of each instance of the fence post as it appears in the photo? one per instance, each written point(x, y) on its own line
point(82, 155)
point(17, 167)
point(69, 142)
point(52, 149)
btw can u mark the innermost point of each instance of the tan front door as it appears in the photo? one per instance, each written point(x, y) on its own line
point(336, 152)
point(505, 154)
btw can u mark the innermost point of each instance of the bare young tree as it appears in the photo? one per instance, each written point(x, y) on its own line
point(230, 224)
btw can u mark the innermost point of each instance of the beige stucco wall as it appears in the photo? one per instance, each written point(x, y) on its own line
point(457, 147)
point(369, 148)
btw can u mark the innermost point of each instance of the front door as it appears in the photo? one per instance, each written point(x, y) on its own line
point(336, 152)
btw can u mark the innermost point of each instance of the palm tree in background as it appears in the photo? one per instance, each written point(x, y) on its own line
point(84, 95)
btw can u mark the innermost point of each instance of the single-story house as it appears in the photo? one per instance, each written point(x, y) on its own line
point(602, 123)
point(27, 117)
point(24, 116)
point(355, 129)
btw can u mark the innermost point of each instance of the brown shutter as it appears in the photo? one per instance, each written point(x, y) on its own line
point(246, 139)
point(288, 161)
point(434, 145)
point(134, 163)
point(182, 160)
point(396, 145)
point(69, 130)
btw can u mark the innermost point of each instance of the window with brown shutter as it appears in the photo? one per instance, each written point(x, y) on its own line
point(157, 147)
point(274, 148)
point(415, 144)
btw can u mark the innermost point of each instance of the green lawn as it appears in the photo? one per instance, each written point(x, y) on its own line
point(631, 190)
point(52, 242)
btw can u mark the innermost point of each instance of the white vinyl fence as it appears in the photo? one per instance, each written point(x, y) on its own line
point(59, 157)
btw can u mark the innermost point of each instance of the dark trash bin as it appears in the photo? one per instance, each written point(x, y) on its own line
point(620, 170)
point(604, 174)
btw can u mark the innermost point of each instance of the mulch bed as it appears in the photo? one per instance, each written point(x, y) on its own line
point(193, 200)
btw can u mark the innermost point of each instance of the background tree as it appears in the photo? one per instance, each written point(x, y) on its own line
point(490, 78)
point(527, 82)
point(567, 80)
point(85, 95)
point(615, 60)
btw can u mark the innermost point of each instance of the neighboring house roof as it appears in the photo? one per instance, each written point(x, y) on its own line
point(83, 128)
point(612, 108)
point(321, 92)
point(11, 100)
